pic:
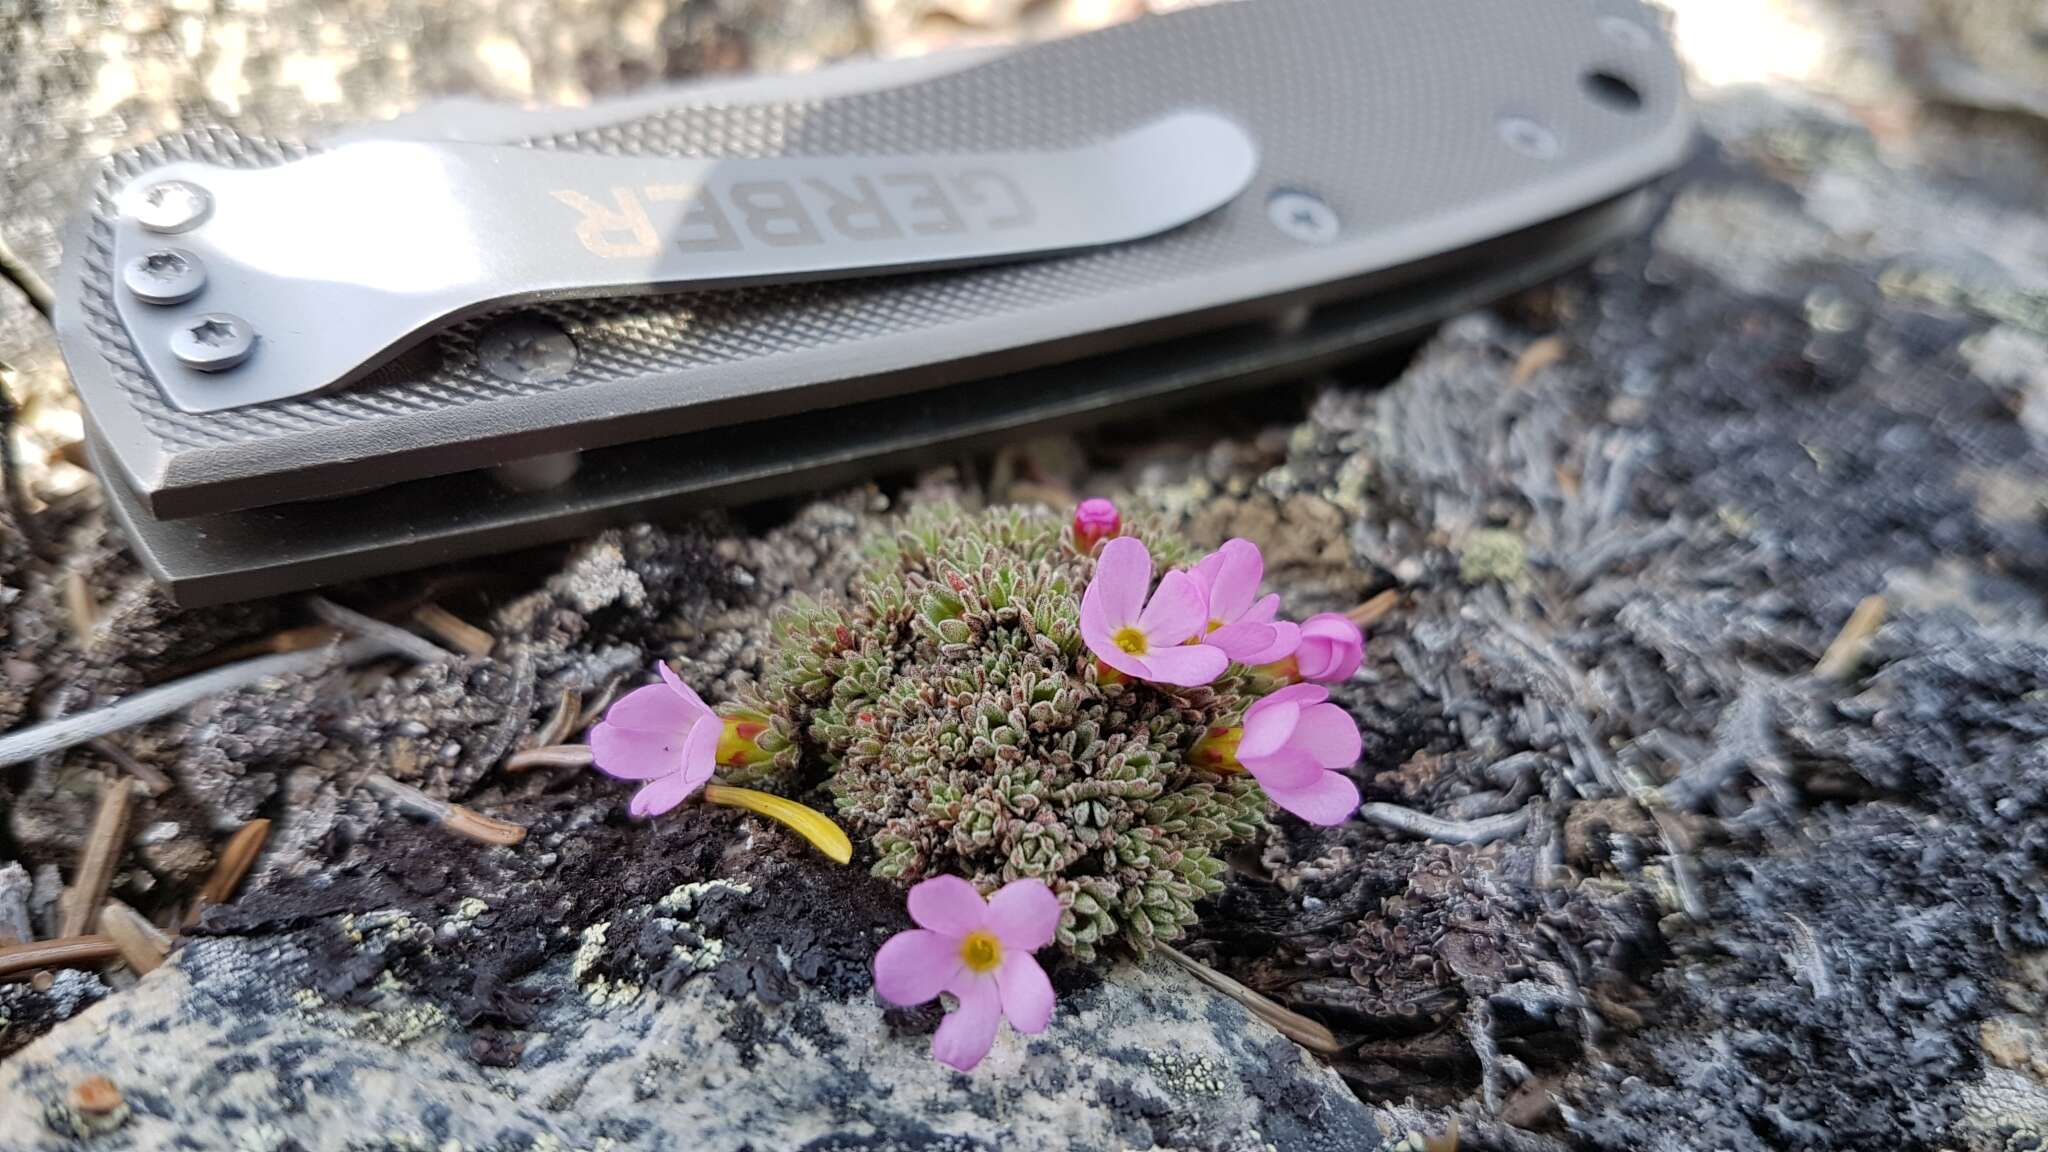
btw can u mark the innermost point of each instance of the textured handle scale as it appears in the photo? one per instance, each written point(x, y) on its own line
point(1419, 128)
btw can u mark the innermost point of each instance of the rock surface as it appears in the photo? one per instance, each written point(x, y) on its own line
point(235, 1046)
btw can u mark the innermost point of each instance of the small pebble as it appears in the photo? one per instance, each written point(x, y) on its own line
point(95, 1096)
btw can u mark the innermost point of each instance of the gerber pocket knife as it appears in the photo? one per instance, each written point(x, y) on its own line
point(477, 328)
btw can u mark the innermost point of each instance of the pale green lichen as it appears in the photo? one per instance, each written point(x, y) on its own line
point(702, 958)
point(1186, 1075)
point(682, 899)
point(1493, 555)
point(589, 951)
point(599, 990)
point(605, 992)
point(404, 1026)
point(961, 725)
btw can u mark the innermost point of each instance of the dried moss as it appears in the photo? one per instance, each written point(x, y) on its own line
point(961, 726)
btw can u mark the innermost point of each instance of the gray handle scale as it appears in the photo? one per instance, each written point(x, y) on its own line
point(1410, 130)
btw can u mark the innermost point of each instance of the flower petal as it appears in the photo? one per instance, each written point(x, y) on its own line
point(1286, 638)
point(1330, 799)
point(968, 1032)
point(948, 904)
point(1329, 734)
point(1262, 612)
point(629, 754)
point(1024, 914)
point(1123, 661)
point(1288, 769)
point(678, 685)
point(1176, 612)
point(1255, 644)
point(1267, 726)
point(1026, 993)
point(1206, 570)
point(1123, 573)
point(1332, 647)
point(655, 708)
point(660, 796)
point(1098, 631)
point(700, 751)
point(1237, 580)
point(1300, 695)
point(1232, 639)
point(915, 966)
point(1184, 665)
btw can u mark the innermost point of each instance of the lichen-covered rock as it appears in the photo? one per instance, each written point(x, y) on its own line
point(233, 1042)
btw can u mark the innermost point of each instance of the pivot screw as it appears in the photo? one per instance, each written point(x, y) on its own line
point(1528, 137)
point(213, 342)
point(172, 206)
point(526, 350)
point(164, 276)
point(1303, 216)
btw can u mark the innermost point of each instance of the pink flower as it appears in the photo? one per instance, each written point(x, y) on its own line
point(1331, 648)
point(1240, 624)
point(1293, 744)
point(1095, 521)
point(980, 951)
point(1146, 639)
point(662, 734)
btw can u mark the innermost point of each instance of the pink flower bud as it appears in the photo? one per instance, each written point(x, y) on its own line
point(1095, 521)
point(1331, 648)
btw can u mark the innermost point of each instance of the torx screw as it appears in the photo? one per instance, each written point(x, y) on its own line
point(213, 342)
point(526, 350)
point(172, 206)
point(164, 276)
point(1302, 215)
point(1528, 137)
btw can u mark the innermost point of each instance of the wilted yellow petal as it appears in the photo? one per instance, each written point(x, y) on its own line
point(823, 834)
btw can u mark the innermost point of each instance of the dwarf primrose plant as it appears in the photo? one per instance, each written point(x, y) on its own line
point(962, 726)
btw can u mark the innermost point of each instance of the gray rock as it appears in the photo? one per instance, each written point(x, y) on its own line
point(229, 1046)
point(14, 895)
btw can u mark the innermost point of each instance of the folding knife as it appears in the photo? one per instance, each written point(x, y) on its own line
point(477, 328)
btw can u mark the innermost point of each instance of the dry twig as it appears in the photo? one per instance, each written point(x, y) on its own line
point(568, 710)
point(1376, 609)
point(394, 638)
point(64, 952)
point(79, 606)
point(81, 902)
point(153, 781)
point(453, 630)
point(143, 945)
point(1845, 654)
point(594, 710)
point(1442, 831)
point(464, 822)
point(550, 756)
point(1291, 1024)
point(234, 863)
point(164, 699)
point(1540, 354)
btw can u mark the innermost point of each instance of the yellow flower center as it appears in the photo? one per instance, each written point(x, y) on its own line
point(1214, 624)
point(982, 952)
point(1130, 640)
